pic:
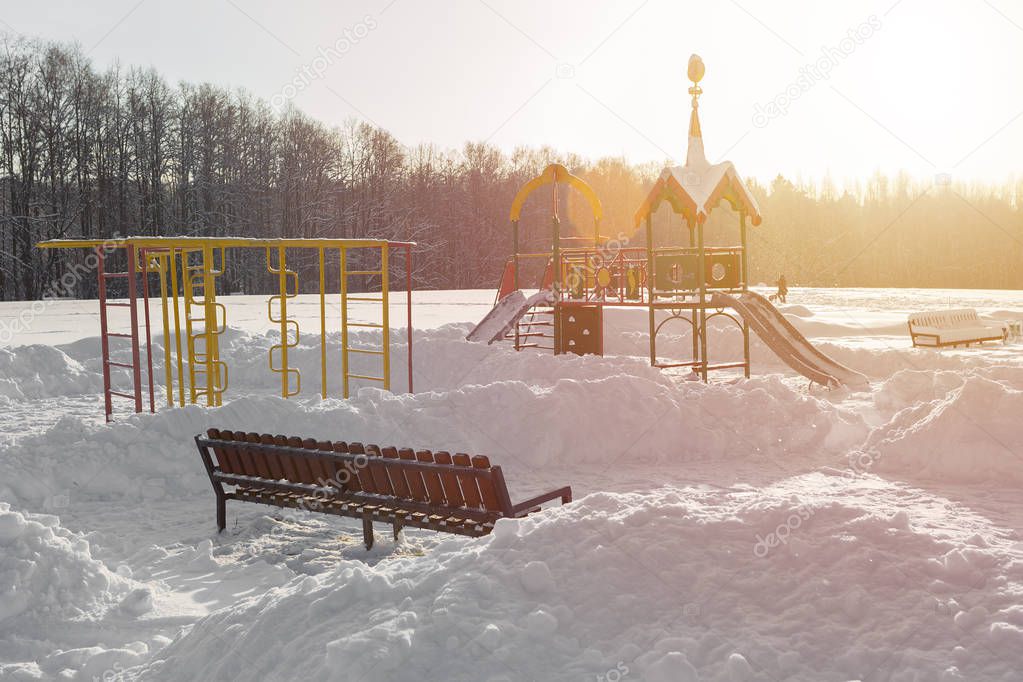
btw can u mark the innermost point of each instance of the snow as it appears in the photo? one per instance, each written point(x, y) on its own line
point(741, 530)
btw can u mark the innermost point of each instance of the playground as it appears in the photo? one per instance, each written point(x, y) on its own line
point(677, 283)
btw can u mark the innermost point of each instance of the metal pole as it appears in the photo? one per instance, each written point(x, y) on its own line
point(149, 334)
point(344, 321)
point(701, 267)
point(650, 287)
point(323, 328)
point(172, 266)
point(104, 339)
point(515, 254)
point(744, 264)
point(692, 315)
point(136, 372)
point(385, 330)
point(188, 295)
point(408, 309)
point(282, 281)
point(210, 328)
point(168, 372)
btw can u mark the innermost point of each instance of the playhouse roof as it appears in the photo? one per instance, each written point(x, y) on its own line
point(693, 190)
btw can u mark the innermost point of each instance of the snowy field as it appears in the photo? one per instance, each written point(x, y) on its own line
point(740, 530)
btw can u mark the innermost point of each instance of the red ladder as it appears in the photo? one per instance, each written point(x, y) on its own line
point(105, 334)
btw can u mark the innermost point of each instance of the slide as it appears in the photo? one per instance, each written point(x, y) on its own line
point(787, 343)
point(506, 313)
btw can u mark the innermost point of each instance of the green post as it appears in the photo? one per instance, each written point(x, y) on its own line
point(692, 313)
point(650, 287)
point(701, 276)
point(744, 265)
point(556, 283)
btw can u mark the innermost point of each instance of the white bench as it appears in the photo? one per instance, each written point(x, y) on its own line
point(945, 328)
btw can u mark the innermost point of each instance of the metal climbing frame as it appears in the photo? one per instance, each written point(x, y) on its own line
point(131, 277)
point(188, 270)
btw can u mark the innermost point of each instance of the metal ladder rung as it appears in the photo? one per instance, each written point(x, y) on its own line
point(370, 325)
point(112, 275)
point(363, 376)
point(119, 335)
point(118, 305)
point(365, 300)
point(123, 395)
point(111, 363)
point(364, 272)
point(366, 351)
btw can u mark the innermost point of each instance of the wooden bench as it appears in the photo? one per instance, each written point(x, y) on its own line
point(944, 328)
point(401, 487)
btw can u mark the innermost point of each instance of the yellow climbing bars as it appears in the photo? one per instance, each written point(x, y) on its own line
point(190, 270)
point(285, 323)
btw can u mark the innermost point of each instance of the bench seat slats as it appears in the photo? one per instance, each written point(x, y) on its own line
point(378, 471)
point(470, 488)
point(431, 479)
point(452, 491)
point(414, 479)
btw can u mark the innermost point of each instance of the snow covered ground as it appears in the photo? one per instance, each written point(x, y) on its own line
point(740, 530)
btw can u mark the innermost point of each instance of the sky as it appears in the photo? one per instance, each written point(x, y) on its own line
point(930, 87)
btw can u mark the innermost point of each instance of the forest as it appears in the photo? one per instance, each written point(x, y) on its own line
point(100, 154)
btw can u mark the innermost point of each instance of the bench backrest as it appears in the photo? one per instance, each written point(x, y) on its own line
point(946, 319)
point(439, 480)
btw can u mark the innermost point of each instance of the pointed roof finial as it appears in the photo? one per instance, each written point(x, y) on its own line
point(695, 72)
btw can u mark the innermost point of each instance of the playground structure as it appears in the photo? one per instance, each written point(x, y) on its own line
point(691, 282)
point(187, 270)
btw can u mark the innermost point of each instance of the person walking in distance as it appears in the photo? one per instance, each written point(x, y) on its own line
point(783, 289)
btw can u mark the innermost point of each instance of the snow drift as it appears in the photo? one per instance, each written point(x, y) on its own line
point(670, 585)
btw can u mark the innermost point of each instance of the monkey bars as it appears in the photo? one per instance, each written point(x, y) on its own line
point(187, 269)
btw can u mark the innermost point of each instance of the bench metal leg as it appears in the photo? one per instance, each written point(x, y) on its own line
point(367, 532)
point(221, 512)
point(397, 531)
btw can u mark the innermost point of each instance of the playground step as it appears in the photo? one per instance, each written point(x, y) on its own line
point(122, 395)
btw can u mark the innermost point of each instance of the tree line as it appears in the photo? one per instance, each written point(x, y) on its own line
point(99, 154)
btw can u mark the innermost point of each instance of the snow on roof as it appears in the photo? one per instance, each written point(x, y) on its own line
point(695, 189)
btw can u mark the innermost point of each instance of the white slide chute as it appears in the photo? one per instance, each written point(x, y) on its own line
point(788, 343)
point(506, 313)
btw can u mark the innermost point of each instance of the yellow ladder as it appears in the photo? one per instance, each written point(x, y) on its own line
point(383, 352)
